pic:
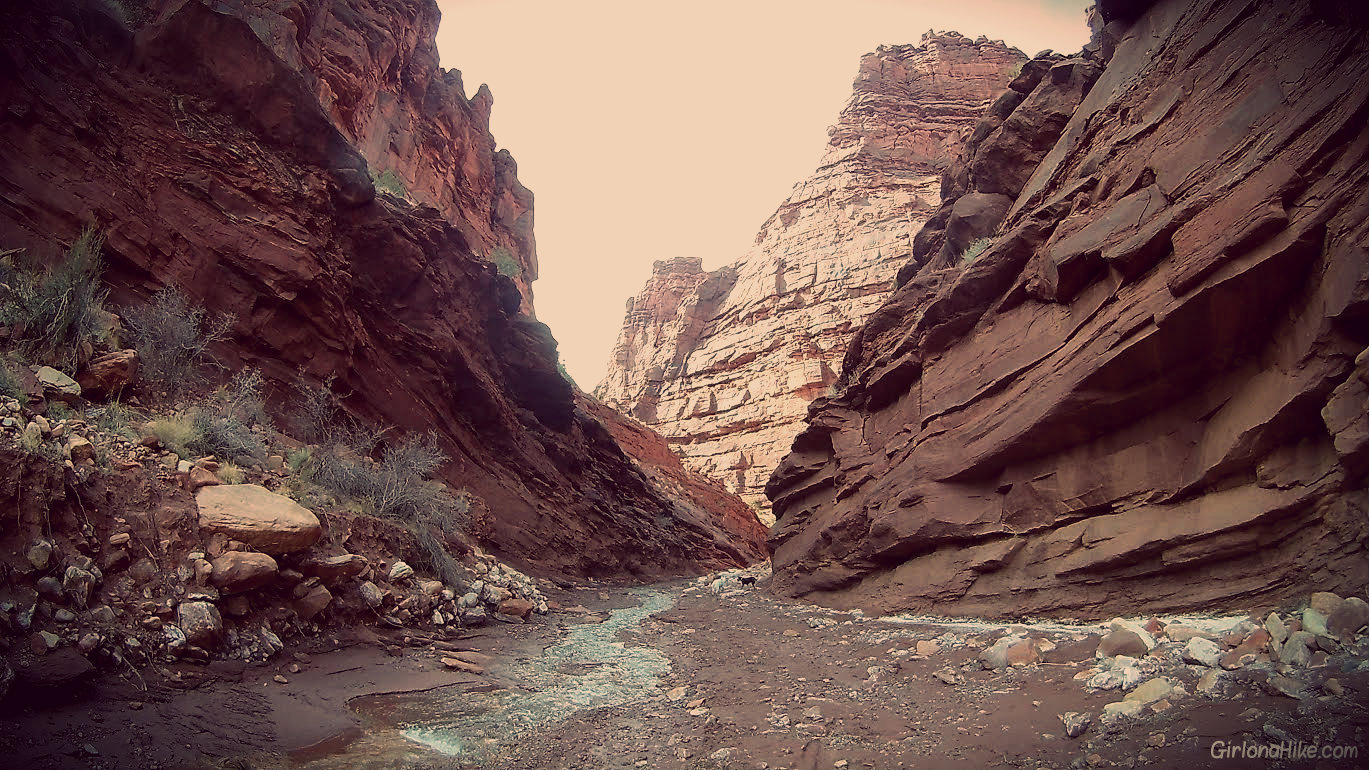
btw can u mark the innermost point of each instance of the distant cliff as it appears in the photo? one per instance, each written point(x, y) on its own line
point(235, 149)
point(725, 363)
point(1150, 392)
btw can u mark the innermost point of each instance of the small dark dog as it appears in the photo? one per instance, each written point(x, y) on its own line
point(748, 581)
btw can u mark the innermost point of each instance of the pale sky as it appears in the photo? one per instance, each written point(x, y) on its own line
point(649, 130)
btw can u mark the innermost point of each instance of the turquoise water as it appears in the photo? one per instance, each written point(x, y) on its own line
point(589, 669)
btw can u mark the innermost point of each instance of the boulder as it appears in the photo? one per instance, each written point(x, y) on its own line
point(371, 594)
point(237, 571)
point(1181, 633)
point(1009, 651)
point(78, 449)
point(38, 554)
point(400, 571)
point(56, 385)
point(201, 622)
point(108, 374)
point(271, 523)
point(1209, 683)
point(1122, 708)
point(1296, 650)
point(313, 602)
point(1314, 622)
point(1276, 628)
point(332, 569)
point(1348, 619)
point(1325, 602)
point(492, 594)
point(1122, 642)
point(1202, 651)
point(519, 607)
point(59, 669)
point(1247, 650)
point(78, 584)
point(1151, 691)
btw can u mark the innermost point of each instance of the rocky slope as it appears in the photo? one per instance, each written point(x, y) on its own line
point(724, 363)
point(229, 149)
point(1149, 393)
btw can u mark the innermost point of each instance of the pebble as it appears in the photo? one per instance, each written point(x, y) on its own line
point(279, 679)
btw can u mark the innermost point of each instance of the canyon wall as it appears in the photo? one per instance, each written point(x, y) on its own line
point(724, 363)
point(228, 148)
point(1151, 391)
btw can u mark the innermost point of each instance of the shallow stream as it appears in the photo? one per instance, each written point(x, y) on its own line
point(456, 726)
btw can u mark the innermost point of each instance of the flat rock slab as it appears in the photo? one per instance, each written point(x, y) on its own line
point(255, 515)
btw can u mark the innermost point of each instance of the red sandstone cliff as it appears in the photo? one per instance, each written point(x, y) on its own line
point(228, 148)
point(1150, 392)
point(725, 363)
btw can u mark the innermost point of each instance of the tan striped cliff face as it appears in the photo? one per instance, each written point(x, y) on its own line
point(725, 363)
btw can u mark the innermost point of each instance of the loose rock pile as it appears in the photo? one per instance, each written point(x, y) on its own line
point(246, 571)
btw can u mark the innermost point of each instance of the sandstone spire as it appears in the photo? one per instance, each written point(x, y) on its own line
point(724, 364)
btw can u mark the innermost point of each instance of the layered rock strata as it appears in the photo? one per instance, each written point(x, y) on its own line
point(234, 161)
point(724, 363)
point(1149, 393)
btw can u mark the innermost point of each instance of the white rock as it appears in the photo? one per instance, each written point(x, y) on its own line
point(1202, 651)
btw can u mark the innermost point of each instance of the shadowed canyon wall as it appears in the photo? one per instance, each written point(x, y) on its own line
point(228, 148)
point(1151, 391)
point(724, 363)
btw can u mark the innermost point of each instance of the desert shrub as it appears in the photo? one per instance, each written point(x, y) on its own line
point(177, 433)
point(230, 473)
point(60, 410)
point(393, 486)
point(10, 384)
point(976, 247)
point(52, 311)
point(172, 337)
point(224, 420)
point(318, 415)
point(296, 459)
point(1015, 71)
point(505, 263)
point(118, 419)
point(31, 442)
point(398, 487)
point(389, 182)
point(431, 531)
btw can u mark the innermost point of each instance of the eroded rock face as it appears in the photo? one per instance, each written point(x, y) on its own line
point(1137, 398)
point(228, 149)
point(724, 363)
